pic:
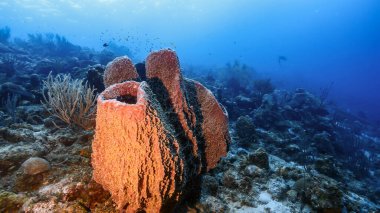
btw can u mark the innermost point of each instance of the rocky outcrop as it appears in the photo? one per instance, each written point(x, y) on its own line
point(154, 138)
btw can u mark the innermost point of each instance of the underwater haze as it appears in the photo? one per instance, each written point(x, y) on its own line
point(336, 41)
point(323, 41)
point(190, 106)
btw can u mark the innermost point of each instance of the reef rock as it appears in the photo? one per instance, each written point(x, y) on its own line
point(259, 158)
point(321, 193)
point(35, 165)
point(13, 155)
point(10, 202)
point(246, 131)
point(155, 138)
point(11, 88)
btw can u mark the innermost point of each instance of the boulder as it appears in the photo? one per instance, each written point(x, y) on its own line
point(259, 158)
point(35, 165)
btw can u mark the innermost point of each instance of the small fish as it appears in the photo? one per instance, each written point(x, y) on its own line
point(105, 45)
point(281, 59)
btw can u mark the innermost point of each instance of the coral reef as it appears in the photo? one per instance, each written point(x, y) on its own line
point(165, 132)
point(95, 77)
point(246, 131)
point(5, 34)
point(7, 66)
point(49, 44)
point(291, 151)
point(238, 185)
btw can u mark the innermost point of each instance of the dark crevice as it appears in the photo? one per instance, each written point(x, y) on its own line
point(128, 99)
point(193, 101)
point(140, 68)
point(186, 147)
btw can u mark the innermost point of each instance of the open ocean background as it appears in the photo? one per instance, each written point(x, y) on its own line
point(324, 42)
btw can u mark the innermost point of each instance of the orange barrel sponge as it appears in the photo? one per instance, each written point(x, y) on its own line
point(214, 126)
point(155, 138)
point(134, 156)
point(119, 70)
point(165, 78)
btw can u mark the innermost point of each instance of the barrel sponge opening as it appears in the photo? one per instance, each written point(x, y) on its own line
point(128, 92)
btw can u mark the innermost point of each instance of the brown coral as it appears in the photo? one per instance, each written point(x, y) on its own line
point(154, 138)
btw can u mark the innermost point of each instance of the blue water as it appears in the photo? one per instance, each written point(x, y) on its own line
point(324, 41)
